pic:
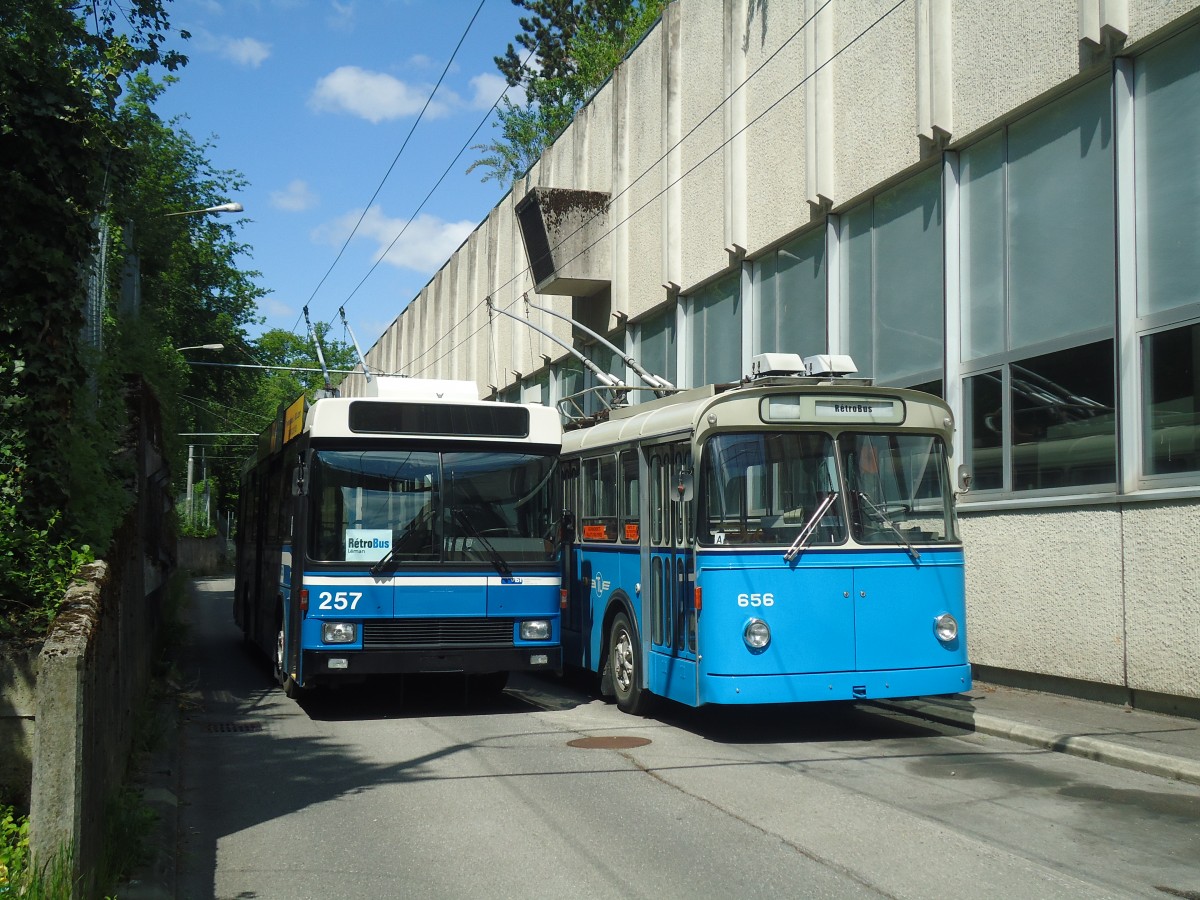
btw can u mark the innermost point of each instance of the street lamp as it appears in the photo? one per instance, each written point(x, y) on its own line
point(222, 208)
point(201, 347)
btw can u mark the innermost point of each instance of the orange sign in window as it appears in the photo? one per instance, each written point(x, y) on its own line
point(631, 531)
point(595, 533)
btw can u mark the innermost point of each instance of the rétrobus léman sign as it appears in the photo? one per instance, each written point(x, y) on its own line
point(842, 410)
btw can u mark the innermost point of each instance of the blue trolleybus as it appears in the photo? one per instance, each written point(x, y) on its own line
point(401, 533)
point(785, 539)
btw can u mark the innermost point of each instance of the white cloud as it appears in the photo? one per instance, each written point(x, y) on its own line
point(488, 87)
point(296, 197)
point(373, 96)
point(244, 51)
point(273, 308)
point(341, 16)
point(426, 244)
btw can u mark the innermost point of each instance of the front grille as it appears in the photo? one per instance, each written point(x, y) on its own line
point(437, 633)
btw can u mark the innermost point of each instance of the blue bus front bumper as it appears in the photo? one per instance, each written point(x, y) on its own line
point(396, 662)
point(804, 688)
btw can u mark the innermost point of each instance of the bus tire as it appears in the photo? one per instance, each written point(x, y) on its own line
point(625, 667)
point(291, 690)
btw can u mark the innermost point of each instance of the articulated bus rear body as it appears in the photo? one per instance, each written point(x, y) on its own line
point(789, 539)
point(411, 532)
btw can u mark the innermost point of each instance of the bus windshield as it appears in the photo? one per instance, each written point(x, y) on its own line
point(897, 488)
point(763, 488)
point(422, 505)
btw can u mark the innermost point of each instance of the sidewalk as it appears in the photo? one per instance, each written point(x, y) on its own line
point(1163, 745)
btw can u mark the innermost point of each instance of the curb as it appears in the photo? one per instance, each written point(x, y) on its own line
point(1086, 746)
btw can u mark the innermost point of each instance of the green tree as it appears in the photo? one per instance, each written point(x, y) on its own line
point(571, 48)
point(62, 66)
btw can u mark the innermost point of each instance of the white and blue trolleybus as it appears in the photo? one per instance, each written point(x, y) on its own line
point(408, 532)
point(788, 538)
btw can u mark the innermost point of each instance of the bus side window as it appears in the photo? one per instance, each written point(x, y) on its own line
point(630, 496)
point(600, 499)
point(657, 498)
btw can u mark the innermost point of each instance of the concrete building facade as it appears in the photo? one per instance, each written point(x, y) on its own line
point(997, 202)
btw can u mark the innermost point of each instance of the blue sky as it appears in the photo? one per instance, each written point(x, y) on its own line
point(311, 100)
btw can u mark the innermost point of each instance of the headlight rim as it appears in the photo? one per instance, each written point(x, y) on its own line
point(753, 644)
point(946, 628)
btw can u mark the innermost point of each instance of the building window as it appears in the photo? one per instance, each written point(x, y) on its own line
point(891, 278)
point(656, 348)
point(1167, 197)
point(791, 297)
point(716, 331)
point(1038, 298)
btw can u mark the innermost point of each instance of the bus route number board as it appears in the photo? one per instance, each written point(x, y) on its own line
point(806, 408)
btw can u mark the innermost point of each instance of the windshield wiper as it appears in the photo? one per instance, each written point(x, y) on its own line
point(493, 554)
point(379, 566)
point(809, 527)
point(882, 517)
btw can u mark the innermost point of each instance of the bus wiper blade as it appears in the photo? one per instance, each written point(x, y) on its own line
point(493, 554)
point(882, 517)
point(379, 566)
point(809, 527)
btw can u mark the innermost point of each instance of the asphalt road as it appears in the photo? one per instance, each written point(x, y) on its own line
point(410, 789)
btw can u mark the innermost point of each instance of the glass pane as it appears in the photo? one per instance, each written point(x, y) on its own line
point(908, 279)
point(717, 328)
point(656, 347)
point(630, 496)
point(657, 613)
point(1167, 137)
point(1172, 398)
point(365, 504)
point(1060, 194)
point(763, 488)
point(800, 312)
point(856, 287)
point(983, 402)
point(897, 488)
point(1064, 418)
point(499, 505)
point(767, 272)
point(982, 232)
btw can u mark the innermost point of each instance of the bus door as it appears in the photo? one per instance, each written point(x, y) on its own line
point(577, 592)
point(668, 546)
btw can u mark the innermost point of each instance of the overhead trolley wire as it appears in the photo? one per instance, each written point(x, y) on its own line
point(395, 160)
point(679, 143)
point(466, 145)
point(628, 187)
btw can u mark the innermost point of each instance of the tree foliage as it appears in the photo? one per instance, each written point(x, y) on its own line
point(571, 47)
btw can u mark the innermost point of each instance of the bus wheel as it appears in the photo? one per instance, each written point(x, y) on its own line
point(290, 689)
point(624, 662)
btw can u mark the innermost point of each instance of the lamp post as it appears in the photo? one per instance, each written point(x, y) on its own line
point(191, 447)
point(221, 208)
point(201, 347)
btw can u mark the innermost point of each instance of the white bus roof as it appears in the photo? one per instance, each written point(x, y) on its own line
point(331, 417)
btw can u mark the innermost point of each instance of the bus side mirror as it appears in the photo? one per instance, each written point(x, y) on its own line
point(683, 490)
point(964, 478)
point(298, 485)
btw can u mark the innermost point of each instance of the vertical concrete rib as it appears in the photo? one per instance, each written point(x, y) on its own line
point(672, 167)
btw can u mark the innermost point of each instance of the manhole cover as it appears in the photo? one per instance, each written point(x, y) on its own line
point(609, 742)
point(232, 727)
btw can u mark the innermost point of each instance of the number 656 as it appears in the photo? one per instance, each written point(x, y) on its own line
point(755, 599)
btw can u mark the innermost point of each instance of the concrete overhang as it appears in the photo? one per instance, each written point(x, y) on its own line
point(565, 232)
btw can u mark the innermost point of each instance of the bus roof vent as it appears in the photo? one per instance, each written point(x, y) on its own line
point(830, 364)
point(765, 365)
point(399, 387)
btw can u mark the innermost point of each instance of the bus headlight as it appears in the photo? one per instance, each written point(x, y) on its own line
point(535, 630)
point(945, 627)
point(756, 634)
point(339, 632)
